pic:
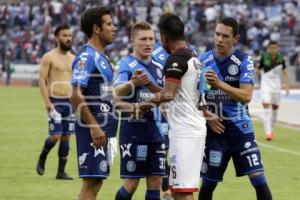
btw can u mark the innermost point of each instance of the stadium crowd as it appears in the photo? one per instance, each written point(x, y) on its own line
point(27, 28)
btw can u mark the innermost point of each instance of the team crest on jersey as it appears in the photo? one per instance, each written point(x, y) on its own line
point(215, 158)
point(141, 152)
point(103, 166)
point(233, 69)
point(130, 166)
point(104, 107)
point(204, 168)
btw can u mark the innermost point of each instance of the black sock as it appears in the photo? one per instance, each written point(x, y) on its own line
point(263, 192)
point(206, 190)
point(165, 181)
point(122, 194)
point(48, 145)
point(63, 152)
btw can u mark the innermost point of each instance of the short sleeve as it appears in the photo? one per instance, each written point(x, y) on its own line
point(247, 71)
point(122, 73)
point(83, 66)
point(174, 69)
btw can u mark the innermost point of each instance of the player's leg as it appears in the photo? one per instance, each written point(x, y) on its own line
point(133, 166)
point(186, 154)
point(90, 188)
point(247, 161)
point(63, 152)
point(156, 162)
point(258, 181)
point(275, 106)
point(215, 161)
point(267, 115)
point(64, 146)
point(93, 167)
point(166, 192)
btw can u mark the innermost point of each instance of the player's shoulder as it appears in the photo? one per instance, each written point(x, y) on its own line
point(50, 55)
point(206, 56)
point(157, 48)
point(182, 54)
point(127, 62)
point(239, 57)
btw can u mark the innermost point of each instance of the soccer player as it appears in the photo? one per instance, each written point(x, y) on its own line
point(187, 124)
point(230, 131)
point(55, 88)
point(141, 143)
point(272, 64)
point(92, 97)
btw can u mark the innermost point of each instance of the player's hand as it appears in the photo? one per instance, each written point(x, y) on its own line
point(98, 137)
point(49, 107)
point(139, 80)
point(138, 113)
point(212, 78)
point(214, 122)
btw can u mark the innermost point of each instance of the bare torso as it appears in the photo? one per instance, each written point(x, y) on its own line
point(59, 75)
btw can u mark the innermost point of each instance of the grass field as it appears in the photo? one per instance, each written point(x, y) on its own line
point(23, 128)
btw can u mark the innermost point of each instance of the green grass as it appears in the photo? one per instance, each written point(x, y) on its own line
point(23, 128)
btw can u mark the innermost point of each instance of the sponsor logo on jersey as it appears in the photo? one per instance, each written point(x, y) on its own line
point(141, 152)
point(103, 166)
point(247, 145)
point(82, 158)
point(104, 107)
point(130, 166)
point(215, 158)
point(231, 78)
point(254, 149)
point(233, 69)
point(103, 65)
point(126, 150)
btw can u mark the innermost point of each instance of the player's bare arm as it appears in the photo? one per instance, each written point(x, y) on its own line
point(242, 94)
point(45, 67)
point(166, 94)
point(80, 105)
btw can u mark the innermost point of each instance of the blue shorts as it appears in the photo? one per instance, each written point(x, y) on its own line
point(220, 148)
point(66, 125)
point(92, 163)
point(140, 160)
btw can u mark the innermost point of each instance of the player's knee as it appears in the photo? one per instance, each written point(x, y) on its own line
point(65, 138)
point(92, 185)
point(208, 185)
point(131, 185)
point(154, 182)
point(55, 137)
point(257, 179)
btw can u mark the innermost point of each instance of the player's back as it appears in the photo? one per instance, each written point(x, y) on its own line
point(183, 115)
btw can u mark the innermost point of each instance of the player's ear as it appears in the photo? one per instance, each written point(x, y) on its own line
point(96, 29)
point(236, 39)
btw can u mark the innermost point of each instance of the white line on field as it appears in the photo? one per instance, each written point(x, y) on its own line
point(280, 149)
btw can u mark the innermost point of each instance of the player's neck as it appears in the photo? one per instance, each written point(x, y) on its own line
point(145, 59)
point(178, 44)
point(96, 44)
point(61, 51)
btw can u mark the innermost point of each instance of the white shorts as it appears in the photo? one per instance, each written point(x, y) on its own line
point(270, 97)
point(185, 155)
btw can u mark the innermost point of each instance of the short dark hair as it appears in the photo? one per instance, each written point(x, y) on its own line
point(273, 42)
point(142, 25)
point(172, 26)
point(92, 16)
point(229, 21)
point(60, 27)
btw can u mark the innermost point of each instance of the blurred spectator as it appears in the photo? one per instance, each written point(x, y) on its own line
point(8, 66)
point(27, 28)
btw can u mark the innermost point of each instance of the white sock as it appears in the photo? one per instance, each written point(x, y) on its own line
point(267, 121)
point(274, 117)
